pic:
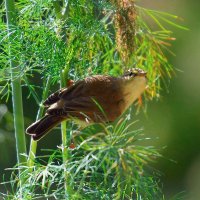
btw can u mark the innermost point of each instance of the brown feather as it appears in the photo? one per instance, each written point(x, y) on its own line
point(41, 127)
point(95, 99)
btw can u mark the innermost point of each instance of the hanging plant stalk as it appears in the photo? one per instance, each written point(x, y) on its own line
point(124, 19)
point(64, 135)
point(61, 14)
point(16, 89)
point(33, 144)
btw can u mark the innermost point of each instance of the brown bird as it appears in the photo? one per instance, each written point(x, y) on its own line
point(95, 99)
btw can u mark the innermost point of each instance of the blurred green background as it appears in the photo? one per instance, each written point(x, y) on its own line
point(174, 120)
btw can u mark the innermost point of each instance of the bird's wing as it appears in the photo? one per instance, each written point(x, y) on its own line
point(96, 97)
point(94, 86)
point(56, 96)
point(90, 86)
point(53, 98)
point(83, 108)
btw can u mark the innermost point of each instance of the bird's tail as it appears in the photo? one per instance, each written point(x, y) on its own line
point(41, 127)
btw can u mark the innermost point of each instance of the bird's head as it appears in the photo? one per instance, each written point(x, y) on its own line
point(135, 80)
point(134, 72)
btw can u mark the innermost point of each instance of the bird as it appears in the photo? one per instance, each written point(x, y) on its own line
point(95, 99)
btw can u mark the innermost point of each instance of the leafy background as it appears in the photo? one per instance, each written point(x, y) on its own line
point(174, 119)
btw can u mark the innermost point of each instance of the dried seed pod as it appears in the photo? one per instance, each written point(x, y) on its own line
point(125, 18)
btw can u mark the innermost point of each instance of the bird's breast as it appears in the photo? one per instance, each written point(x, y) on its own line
point(132, 90)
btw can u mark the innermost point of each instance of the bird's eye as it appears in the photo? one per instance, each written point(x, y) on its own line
point(131, 74)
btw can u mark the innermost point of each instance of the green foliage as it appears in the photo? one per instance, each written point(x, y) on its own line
point(106, 164)
point(110, 164)
point(38, 48)
point(153, 41)
point(90, 46)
